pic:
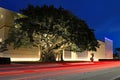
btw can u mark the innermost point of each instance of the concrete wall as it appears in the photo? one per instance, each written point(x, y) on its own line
point(85, 56)
point(6, 17)
point(75, 56)
point(100, 53)
point(6, 20)
point(108, 48)
point(22, 54)
point(105, 51)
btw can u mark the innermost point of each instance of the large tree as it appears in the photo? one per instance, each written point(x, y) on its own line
point(52, 30)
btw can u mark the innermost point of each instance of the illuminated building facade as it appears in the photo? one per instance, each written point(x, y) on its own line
point(7, 17)
point(105, 51)
point(22, 54)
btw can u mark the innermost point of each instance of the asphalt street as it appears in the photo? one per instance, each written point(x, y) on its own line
point(61, 71)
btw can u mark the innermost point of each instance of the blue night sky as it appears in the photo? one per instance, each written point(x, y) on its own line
point(101, 15)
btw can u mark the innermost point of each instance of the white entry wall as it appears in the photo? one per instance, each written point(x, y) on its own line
point(75, 56)
point(105, 51)
point(108, 48)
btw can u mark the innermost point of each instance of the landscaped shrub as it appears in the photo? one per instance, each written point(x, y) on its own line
point(5, 60)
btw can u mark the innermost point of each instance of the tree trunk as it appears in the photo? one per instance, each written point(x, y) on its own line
point(61, 56)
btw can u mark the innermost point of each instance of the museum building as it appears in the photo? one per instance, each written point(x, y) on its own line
point(7, 17)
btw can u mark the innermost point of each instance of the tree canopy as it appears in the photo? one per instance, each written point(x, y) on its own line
point(52, 30)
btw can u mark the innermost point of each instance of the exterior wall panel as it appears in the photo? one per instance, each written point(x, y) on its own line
point(22, 54)
point(100, 53)
point(108, 48)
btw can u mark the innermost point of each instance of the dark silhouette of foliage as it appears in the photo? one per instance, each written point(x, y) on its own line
point(52, 30)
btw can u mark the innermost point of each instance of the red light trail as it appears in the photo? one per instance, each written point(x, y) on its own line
point(38, 71)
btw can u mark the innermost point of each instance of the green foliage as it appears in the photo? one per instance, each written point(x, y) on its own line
point(3, 47)
point(17, 38)
point(52, 29)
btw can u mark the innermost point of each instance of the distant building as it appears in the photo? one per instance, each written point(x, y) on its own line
point(105, 51)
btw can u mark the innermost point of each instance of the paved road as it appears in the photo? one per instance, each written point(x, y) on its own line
point(61, 71)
